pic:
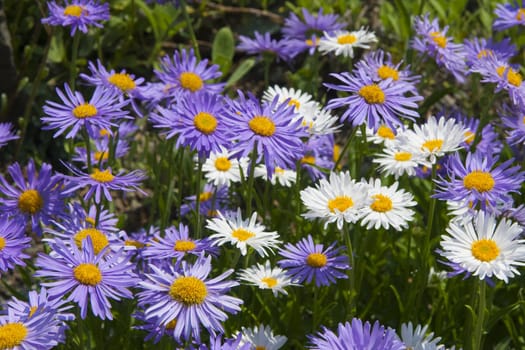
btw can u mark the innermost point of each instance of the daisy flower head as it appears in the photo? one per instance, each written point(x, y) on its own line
point(7, 134)
point(78, 14)
point(271, 129)
point(478, 49)
point(418, 339)
point(189, 297)
point(37, 199)
point(263, 45)
point(398, 159)
point(307, 261)
point(266, 277)
point(509, 15)
point(485, 246)
point(342, 42)
point(389, 208)
point(91, 278)
point(480, 181)
point(373, 103)
point(183, 74)
point(383, 135)
point(302, 102)
point(12, 243)
point(339, 199)
point(101, 111)
point(242, 233)
point(315, 24)
point(283, 177)
point(262, 337)
point(221, 168)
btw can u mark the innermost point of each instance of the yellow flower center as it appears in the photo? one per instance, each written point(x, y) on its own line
point(88, 274)
point(385, 132)
point(485, 53)
point(188, 290)
point(104, 132)
point(513, 77)
point(73, 10)
point(311, 42)
point(171, 324)
point(2, 243)
point(316, 260)
point(205, 196)
point(346, 39)
point(190, 81)
point(260, 347)
point(340, 203)
point(85, 110)
point(469, 137)
point(294, 103)
point(262, 125)
point(222, 164)
point(123, 81)
point(433, 145)
point(485, 250)
point(439, 39)
point(205, 122)
point(30, 202)
point(98, 238)
point(12, 334)
point(402, 156)
point(386, 72)
point(102, 176)
point(270, 281)
point(381, 203)
point(520, 16)
point(101, 156)
point(481, 181)
point(372, 94)
point(184, 246)
point(308, 160)
point(134, 243)
point(242, 234)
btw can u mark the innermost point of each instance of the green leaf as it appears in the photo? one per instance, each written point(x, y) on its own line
point(223, 49)
point(57, 51)
point(241, 70)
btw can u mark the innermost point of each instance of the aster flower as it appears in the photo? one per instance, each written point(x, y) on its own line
point(79, 14)
point(217, 343)
point(478, 49)
point(509, 15)
point(307, 261)
point(12, 242)
point(100, 153)
point(102, 111)
point(211, 201)
point(339, 199)
point(485, 246)
point(269, 129)
point(262, 337)
point(342, 42)
point(266, 277)
point(242, 233)
point(318, 157)
point(91, 278)
point(417, 339)
point(222, 169)
point(373, 103)
point(263, 44)
point(480, 181)
point(514, 121)
point(283, 177)
point(7, 134)
point(39, 199)
point(383, 135)
point(311, 24)
point(485, 140)
point(155, 330)
point(189, 297)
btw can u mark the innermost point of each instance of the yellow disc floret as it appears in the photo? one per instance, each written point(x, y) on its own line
point(242, 234)
point(346, 39)
point(308, 160)
point(184, 246)
point(439, 39)
point(402, 156)
point(513, 77)
point(520, 16)
point(188, 290)
point(386, 72)
point(30, 202)
point(88, 274)
point(205, 196)
point(381, 203)
point(190, 81)
point(480, 181)
point(372, 94)
point(262, 125)
point(2, 243)
point(98, 238)
point(433, 145)
point(222, 164)
point(270, 281)
point(340, 203)
point(385, 132)
point(485, 250)
point(102, 176)
point(85, 110)
point(205, 123)
point(12, 334)
point(73, 10)
point(123, 81)
point(316, 260)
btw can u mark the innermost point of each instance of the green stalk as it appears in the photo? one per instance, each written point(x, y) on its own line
point(251, 178)
point(73, 63)
point(345, 148)
point(87, 140)
point(351, 272)
point(480, 319)
point(198, 201)
point(190, 29)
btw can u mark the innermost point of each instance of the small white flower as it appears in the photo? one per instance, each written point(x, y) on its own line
point(221, 168)
point(262, 338)
point(396, 160)
point(266, 277)
point(284, 177)
point(416, 339)
point(383, 135)
point(342, 42)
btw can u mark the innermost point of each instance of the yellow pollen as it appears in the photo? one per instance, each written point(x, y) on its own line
point(340, 203)
point(337, 152)
point(30, 202)
point(188, 290)
point(74, 10)
point(2, 243)
point(514, 78)
point(262, 125)
point(372, 94)
point(205, 123)
point(485, 53)
point(346, 39)
point(101, 156)
point(134, 243)
point(294, 103)
point(381, 203)
point(402, 156)
point(386, 72)
point(90, 221)
point(98, 238)
point(308, 160)
point(32, 310)
point(481, 181)
point(184, 246)
point(316, 260)
point(104, 132)
point(190, 81)
point(469, 137)
point(439, 39)
point(385, 132)
point(270, 281)
point(171, 324)
point(242, 234)
point(485, 250)
point(12, 334)
point(433, 145)
point(311, 42)
point(88, 274)
point(205, 196)
point(222, 164)
point(123, 81)
point(102, 176)
point(520, 16)
point(85, 110)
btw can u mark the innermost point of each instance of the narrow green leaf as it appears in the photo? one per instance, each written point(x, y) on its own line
point(241, 70)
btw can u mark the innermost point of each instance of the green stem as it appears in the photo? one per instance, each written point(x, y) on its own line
point(251, 178)
point(73, 63)
point(345, 148)
point(480, 319)
point(87, 140)
point(351, 272)
point(190, 29)
point(198, 201)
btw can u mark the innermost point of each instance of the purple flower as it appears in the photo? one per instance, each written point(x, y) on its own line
point(12, 241)
point(212, 199)
point(480, 48)
point(7, 134)
point(312, 25)
point(509, 15)
point(78, 14)
point(263, 44)
point(514, 121)
point(307, 261)
point(318, 157)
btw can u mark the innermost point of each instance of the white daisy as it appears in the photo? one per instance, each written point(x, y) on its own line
point(221, 168)
point(284, 177)
point(266, 277)
point(389, 207)
point(322, 123)
point(485, 247)
point(339, 199)
point(342, 42)
point(384, 135)
point(397, 161)
point(416, 339)
point(242, 233)
point(262, 338)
